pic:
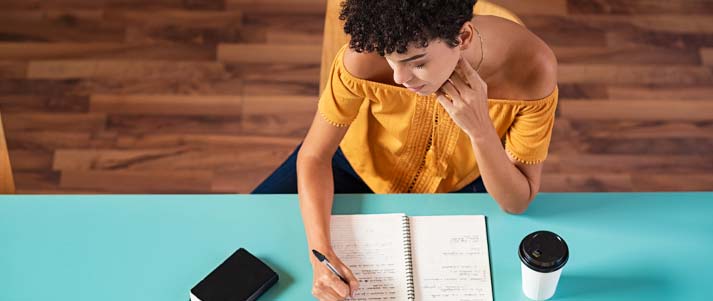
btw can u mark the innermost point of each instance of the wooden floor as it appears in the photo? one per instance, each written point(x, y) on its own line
point(190, 96)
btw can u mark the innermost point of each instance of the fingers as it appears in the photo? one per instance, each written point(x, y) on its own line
point(325, 294)
point(332, 283)
point(460, 85)
point(341, 288)
point(466, 72)
point(453, 95)
point(353, 281)
point(444, 101)
point(330, 287)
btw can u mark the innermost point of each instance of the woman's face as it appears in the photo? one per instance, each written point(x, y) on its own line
point(424, 70)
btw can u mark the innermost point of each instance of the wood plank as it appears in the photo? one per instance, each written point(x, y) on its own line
point(541, 7)
point(50, 103)
point(642, 163)
point(36, 180)
point(189, 158)
point(226, 83)
point(280, 79)
point(30, 160)
point(62, 69)
point(628, 129)
point(640, 7)
point(283, 6)
point(636, 74)
point(56, 26)
point(58, 190)
point(565, 139)
point(175, 17)
point(707, 56)
point(637, 110)
point(627, 55)
point(80, 122)
point(13, 69)
point(649, 145)
point(115, 160)
point(671, 22)
point(138, 181)
point(122, 69)
point(206, 37)
point(265, 115)
point(105, 50)
point(254, 34)
point(565, 31)
point(674, 40)
point(195, 105)
point(661, 92)
point(37, 87)
point(582, 91)
point(298, 73)
point(281, 37)
point(112, 4)
point(184, 26)
point(210, 141)
point(50, 140)
point(288, 23)
point(277, 88)
point(265, 53)
point(161, 124)
point(586, 182)
point(241, 181)
point(65, 16)
point(673, 182)
point(204, 83)
point(663, 23)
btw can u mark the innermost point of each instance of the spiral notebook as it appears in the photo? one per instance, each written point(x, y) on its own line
point(397, 257)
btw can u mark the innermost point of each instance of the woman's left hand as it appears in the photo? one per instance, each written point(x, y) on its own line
point(465, 98)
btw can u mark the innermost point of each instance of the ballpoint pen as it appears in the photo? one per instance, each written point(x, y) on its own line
point(326, 263)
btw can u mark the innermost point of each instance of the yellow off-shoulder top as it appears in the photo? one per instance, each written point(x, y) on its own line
point(399, 141)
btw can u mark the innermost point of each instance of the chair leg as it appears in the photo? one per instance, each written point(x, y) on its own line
point(7, 184)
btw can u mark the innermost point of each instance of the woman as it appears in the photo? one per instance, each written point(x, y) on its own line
point(425, 98)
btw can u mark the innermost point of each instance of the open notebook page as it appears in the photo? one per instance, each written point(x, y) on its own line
point(450, 258)
point(372, 246)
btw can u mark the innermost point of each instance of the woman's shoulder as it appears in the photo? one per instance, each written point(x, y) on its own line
point(367, 66)
point(539, 76)
point(529, 64)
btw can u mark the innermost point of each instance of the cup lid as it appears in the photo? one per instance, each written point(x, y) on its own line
point(543, 251)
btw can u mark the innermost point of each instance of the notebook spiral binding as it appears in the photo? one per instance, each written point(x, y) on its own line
point(406, 230)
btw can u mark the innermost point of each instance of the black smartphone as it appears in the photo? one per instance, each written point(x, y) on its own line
point(240, 277)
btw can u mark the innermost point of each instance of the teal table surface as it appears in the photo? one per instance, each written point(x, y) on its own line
point(624, 246)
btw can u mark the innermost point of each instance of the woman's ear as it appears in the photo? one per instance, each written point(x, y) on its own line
point(465, 37)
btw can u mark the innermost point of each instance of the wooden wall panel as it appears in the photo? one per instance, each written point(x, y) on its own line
point(209, 96)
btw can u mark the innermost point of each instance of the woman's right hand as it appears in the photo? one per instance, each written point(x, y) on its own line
point(328, 287)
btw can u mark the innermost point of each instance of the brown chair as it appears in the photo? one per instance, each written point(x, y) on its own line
point(335, 38)
point(7, 185)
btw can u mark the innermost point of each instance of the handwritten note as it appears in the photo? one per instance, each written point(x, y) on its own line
point(450, 258)
point(373, 247)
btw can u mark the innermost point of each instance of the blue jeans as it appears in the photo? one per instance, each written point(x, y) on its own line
point(284, 178)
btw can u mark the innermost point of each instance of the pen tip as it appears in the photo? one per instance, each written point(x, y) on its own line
point(319, 256)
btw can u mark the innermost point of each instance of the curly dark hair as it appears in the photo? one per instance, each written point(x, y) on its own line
point(386, 26)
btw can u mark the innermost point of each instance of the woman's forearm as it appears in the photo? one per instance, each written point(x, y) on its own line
point(316, 194)
point(503, 180)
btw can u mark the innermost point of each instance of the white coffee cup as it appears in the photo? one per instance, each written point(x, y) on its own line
point(542, 254)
